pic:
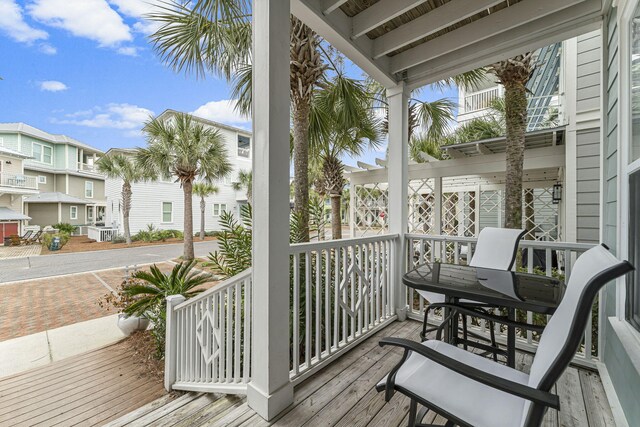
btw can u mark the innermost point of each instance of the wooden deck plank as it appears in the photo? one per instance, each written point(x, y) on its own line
point(151, 417)
point(185, 411)
point(210, 414)
point(572, 410)
point(323, 396)
point(599, 412)
point(390, 414)
point(229, 416)
point(149, 407)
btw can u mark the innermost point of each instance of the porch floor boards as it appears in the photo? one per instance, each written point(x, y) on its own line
point(90, 389)
point(342, 394)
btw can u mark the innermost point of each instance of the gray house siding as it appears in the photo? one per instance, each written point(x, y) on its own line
point(588, 84)
point(588, 186)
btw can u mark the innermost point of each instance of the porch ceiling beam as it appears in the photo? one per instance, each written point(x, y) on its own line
point(381, 162)
point(381, 12)
point(367, 166)
point(336, 29)
point(427, 24)
point(427, 157)
point(350, 169)
point(329, 6)
point(562, 25)
point(496, 23)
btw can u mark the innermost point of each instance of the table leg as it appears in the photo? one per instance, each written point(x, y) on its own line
point(511, 340)
point(451, 329)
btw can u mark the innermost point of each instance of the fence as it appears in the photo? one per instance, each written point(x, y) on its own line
point(100, 234)
point(480, 100)
point(341, 293)
point(208, 346)
point(18, 181)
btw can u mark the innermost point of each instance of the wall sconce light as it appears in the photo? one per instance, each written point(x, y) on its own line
point(557, 193)
point(8, 162)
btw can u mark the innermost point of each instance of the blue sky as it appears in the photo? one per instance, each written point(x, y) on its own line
point(84, 68)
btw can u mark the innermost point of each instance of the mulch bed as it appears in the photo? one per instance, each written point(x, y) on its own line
point(84, 244)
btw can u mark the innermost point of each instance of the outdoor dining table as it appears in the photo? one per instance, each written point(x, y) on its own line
point(498, 288)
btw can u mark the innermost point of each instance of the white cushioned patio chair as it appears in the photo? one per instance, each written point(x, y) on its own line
point(496, 248)
point(470, 390)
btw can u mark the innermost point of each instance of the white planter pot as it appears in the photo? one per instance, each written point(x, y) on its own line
point(130, 324)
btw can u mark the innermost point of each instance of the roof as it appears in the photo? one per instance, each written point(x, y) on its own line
point(56, 197)
point(209, 122)
point(7, 214)
point(535, 139)
point(13, 153)
point(37, 133)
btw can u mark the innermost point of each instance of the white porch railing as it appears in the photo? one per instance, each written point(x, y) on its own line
point(422, 248)
point(341, 292)
point(18, 181)
point(208, 339)
point(480, 100)
point(100, 234)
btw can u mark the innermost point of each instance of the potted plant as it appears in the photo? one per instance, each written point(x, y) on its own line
point(121, 301)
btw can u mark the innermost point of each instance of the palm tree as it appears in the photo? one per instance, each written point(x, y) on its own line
point(187, 150)
point(202, 190)
point(215, 36)
point(342, 122)
point(118, 165)
point(245, 181)
point(513, 74)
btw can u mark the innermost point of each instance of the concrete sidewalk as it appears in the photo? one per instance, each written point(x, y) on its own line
point(42, 348)
point(12, 270)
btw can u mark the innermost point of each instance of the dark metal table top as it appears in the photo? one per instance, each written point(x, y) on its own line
point(523, 291)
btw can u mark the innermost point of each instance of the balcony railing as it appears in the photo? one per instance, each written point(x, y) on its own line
point(481, 100)
point(101, 234)
point(341, 292)
point(18, 181)
point(87, 167)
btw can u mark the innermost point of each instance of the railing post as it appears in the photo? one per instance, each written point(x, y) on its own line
point(170, 343)
point(398, 99)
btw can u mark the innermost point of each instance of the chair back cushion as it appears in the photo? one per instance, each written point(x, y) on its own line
point(496, 248)
point(563, 334)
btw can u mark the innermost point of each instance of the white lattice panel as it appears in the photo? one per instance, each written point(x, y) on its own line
point(371, 209)
point(421, 206)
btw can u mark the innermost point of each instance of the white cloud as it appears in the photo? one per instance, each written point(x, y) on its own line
point(139, 9)
point(91, 19)
point(13, 24)
point(114, 116)
point(221, 111)
point(128, 50)
point(53, 86)
point(47, 49)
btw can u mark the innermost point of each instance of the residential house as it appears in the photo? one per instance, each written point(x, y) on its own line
point(14, 186)
point(161, 203)
point(69, 189)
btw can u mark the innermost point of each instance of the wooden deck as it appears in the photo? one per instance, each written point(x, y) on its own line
point(343, 395)
point(89, 389)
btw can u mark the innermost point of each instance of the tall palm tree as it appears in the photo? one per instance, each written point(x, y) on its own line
point(202, 190)
point(187, 150)
point(513, 74)
point(342, 122)
point(118, 165)
point(245, 181)
point(215, 36)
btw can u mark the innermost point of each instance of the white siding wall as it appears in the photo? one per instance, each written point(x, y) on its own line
point(148, 197)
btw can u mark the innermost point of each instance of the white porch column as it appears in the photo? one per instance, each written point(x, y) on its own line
point(270, 391)
point(398, 98)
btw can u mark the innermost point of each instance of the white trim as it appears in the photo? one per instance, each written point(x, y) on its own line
point(42, 181)
point(162, 221)
point(71, 209)
point(220, 209)
point(612, 396)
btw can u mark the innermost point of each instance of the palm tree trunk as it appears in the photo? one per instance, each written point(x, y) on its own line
point(301, 165)
point(203, 206)
point(336, 220)
point(516, 121)
point(187, 188)
point(126, 209)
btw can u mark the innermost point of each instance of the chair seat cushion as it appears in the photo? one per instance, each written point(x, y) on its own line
point(469, 400)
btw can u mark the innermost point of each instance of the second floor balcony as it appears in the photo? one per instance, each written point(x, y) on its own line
point(18, 181)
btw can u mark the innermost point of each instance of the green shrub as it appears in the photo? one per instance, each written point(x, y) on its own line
point(65, 227)
point(47, 239)
point(118, 238)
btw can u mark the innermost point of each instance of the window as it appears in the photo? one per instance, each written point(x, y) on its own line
point(218, 208)
point(90, 213)
point(635, 87)
point(42, 153)
point(167, 212)
point(42, 179)
point(88, 189)
point(244, 146)
point(73, 212)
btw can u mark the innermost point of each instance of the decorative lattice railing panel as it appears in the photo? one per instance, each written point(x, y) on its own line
point(421, 206)
point(371, 209)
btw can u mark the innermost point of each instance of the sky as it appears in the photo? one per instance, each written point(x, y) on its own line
point(85, 68)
